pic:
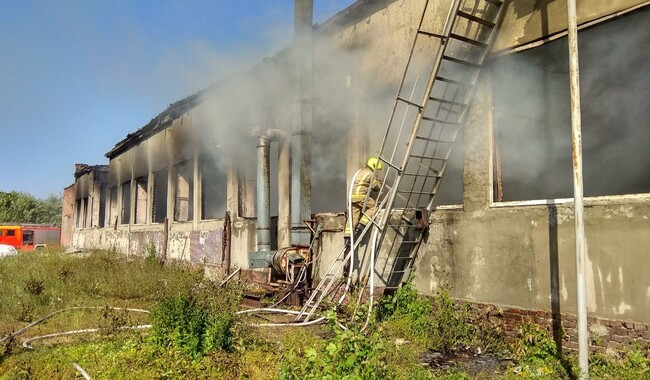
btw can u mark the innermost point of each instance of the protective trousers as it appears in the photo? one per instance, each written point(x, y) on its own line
point(359, 221)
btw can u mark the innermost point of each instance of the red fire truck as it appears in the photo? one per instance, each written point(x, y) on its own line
point(28, 237)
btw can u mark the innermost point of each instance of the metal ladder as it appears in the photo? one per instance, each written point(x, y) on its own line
point(430, 108)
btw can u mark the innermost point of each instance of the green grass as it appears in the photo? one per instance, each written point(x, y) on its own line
point(197, 335)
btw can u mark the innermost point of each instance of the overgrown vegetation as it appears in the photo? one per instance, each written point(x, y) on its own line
point(197, 321)
point(196, 333)
point(19, 207)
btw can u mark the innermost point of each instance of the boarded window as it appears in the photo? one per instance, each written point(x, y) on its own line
point(183, 210)
point(111, 210)
point(141, 188)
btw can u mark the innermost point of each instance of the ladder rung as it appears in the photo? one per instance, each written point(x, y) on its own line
point(437, 140)
point(409, 102)
point(414, 192)
point(468, 40)
point(432, 34)
point(475, 19)
point(460, 61)
point(420, 175)
point(452, 81)
point(495, 2)
point(425, 157)
point(405, 257)
point(390, 164)
point(448, 102)
point(440, 121)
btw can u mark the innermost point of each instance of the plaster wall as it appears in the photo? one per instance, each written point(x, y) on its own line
point(522, 254)
point(529, 20)
point(67, 211)
point(202, 245)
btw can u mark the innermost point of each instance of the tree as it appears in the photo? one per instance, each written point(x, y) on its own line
point(19, 207)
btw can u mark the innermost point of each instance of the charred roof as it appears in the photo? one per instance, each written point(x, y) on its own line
point(81, 169)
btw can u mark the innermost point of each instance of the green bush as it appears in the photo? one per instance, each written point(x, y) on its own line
point(437, 320)
point(348, 355)
point(196, 322)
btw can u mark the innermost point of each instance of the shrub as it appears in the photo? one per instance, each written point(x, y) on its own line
point(437, 319)
point(195, 322)
point(347, 355)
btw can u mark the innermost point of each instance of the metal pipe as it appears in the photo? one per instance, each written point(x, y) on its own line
point(284, 192)
point(263, 205)
point(226, 242)
point(302, 125)
point(580, 241)
point(263, 198)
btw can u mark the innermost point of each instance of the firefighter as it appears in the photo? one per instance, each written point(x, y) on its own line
point(360, 187)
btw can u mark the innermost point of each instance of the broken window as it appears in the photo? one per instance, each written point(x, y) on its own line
point(126, 203)
point(87, 218)
point(184, 187)
point(159, 207)
point(79, 213)
point(102, 206)
point(213, 189)
point(141, 187)
point(532, 118)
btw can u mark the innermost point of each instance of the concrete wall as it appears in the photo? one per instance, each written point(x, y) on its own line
point(522, 254)
point(68, 215)
point(508, 254)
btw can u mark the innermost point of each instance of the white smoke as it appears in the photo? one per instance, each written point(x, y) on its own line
point(532, 113)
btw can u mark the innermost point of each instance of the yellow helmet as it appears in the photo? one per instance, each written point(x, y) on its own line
point(374, 163)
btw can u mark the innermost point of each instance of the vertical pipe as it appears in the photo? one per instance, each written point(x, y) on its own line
point(284, 193)
point(263, 206)
point(576, 141)
point(225, 241)
point(195, 197)
point(302, 125)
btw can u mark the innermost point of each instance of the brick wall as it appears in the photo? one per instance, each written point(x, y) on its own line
point(604, 334)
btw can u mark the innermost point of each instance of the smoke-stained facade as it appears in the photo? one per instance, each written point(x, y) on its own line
point(499, 235)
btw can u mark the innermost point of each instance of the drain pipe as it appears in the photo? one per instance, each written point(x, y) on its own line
point(263, 198)
point(263, 205)
point(302, 123)
point(578, 207)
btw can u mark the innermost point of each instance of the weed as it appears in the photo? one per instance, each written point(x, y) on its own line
point(538, 354)
point(151, 251)
point(437, 320)
point(34, 287)
point(113, 320)
point(195, 322)
point(347, 355)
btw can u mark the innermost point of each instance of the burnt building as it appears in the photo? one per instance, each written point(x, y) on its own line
point(276, 147)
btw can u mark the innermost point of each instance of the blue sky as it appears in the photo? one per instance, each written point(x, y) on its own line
point(77, 75)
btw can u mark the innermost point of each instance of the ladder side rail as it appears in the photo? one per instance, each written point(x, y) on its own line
point(340, 260)
point(401, 85)
point(446, 30)
point(449, 22)
point(436, 145)
point(461, 120)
